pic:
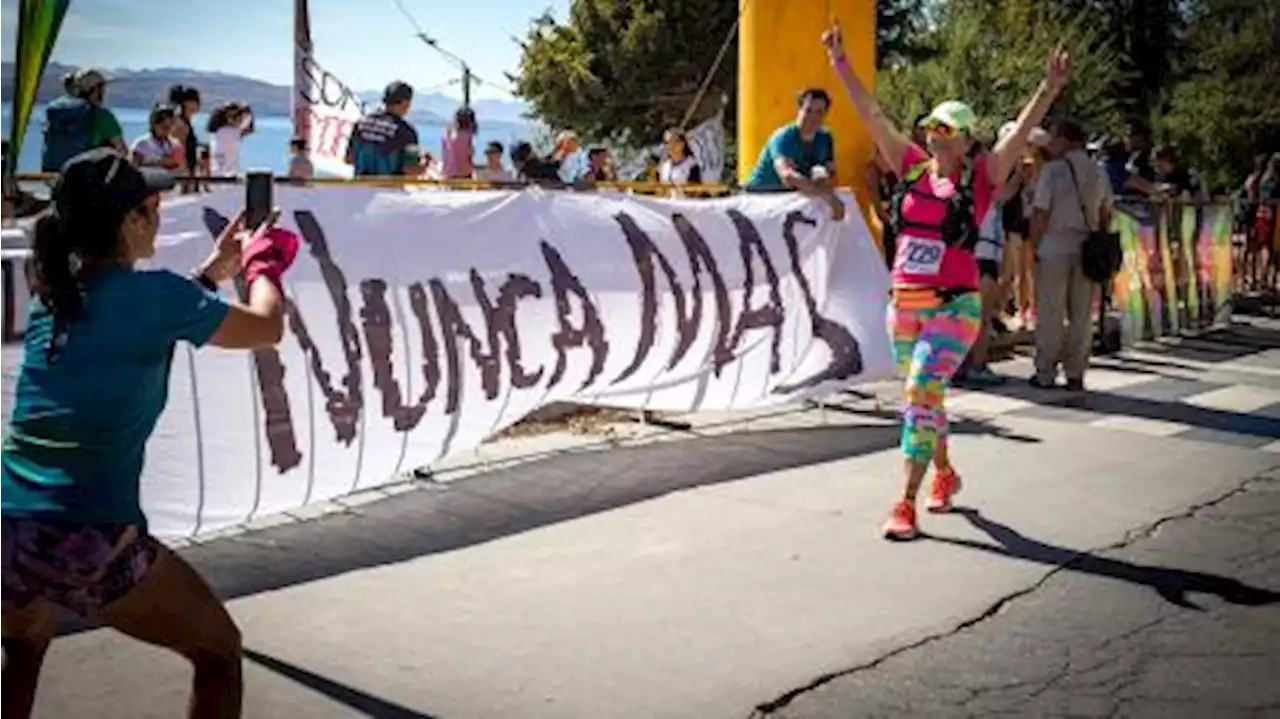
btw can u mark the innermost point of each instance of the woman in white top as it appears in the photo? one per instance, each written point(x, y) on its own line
point(680, 166)
point(229, 125)
point(158, 148)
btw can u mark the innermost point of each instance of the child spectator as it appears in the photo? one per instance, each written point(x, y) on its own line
point(229, 124)
point(186, 100)
point(599, 166)
point(493, 171)
point(300, 167)
point(457, 147)
point(680, 167)
point(158, 148)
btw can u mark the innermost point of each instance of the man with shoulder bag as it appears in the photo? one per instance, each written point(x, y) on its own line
point(1074, 254)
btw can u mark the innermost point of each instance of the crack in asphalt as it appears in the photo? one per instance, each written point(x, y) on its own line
point(764, 709)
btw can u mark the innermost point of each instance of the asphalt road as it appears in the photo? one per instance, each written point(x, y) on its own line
point(1122, 558)
point(1182, 619)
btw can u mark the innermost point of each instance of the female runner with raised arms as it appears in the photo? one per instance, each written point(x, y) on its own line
point(934, 316)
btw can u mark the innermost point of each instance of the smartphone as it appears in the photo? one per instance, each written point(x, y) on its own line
point(258, 199)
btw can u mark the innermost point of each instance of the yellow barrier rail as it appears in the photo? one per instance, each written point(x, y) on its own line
point(649, 188)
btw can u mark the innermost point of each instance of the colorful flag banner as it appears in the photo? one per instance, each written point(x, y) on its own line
point(1174, 277)
point(38, 24)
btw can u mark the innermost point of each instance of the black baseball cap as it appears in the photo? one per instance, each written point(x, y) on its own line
point(397, 91)
point(102, 186)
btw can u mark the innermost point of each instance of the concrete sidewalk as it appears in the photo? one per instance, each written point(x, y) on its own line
point(698, 574)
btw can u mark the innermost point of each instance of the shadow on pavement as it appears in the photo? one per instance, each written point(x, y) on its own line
point(1171, 584)
point(1224, 344)
point(1115, 403)
point(362, 702)
point(1130, 402)
point(959, 426)
point(512, 500)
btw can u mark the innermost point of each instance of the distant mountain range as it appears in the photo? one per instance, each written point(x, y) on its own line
point(141, 89)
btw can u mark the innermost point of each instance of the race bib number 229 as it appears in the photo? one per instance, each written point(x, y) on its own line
point(922, 256)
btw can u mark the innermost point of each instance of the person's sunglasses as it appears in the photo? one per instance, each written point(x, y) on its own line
point(940, 129)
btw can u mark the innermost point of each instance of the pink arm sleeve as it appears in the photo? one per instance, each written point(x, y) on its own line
point(913, 156)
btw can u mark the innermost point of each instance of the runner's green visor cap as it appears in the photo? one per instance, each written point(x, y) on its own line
point(954, 114)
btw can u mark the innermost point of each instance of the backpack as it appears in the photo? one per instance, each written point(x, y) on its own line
point(958, 227)
point(68, 131)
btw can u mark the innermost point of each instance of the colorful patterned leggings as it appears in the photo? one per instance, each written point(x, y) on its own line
point(930, 340)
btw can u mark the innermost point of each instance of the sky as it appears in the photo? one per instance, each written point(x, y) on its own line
point(365, 43)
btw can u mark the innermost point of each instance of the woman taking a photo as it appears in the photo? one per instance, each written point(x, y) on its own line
point(94, 380)
point(934, 317)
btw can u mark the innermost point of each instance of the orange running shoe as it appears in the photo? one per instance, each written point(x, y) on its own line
point(901, 524)
point(945, 486)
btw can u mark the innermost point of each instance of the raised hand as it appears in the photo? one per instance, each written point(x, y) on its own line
point(1057, 70)
point(833, 41)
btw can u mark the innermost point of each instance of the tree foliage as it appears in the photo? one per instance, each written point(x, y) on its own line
point(626, 71)
point(618, 70)
point(900, 27)
point(1146, 34)
point(981, 61)
point(1223, 109)
point(1202, 72)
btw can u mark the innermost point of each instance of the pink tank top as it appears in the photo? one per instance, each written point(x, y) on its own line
point(922, 259)
point(456, 152)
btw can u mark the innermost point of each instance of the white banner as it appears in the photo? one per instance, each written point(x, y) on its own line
point(422, 322)
point(324, 109)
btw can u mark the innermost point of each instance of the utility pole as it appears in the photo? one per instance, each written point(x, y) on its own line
point(467, 77)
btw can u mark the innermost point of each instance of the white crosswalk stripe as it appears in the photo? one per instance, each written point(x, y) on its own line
point(984, 405)
point(1235, 398)
point(1101, 379)
point(1141, 425)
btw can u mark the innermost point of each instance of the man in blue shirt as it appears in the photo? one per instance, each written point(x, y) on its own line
point(801, 155)
point(384, 143)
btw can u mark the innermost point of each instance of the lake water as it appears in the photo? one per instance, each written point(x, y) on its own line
point(267, 147)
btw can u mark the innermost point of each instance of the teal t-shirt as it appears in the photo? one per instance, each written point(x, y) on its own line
point(74, 447)
point(786, 142)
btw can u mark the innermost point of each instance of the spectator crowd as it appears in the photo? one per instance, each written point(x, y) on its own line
point(383, 142)
point(1030, 241)
point(1063, 188)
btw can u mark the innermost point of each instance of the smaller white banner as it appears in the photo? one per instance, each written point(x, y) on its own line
point(326, 111)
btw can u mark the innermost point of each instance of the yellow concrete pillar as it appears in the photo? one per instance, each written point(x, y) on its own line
point(779, 54)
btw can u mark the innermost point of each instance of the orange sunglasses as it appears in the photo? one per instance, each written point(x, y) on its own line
point(941, 129)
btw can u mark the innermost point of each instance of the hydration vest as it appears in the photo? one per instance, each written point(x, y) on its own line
point(958, 228)
point(68, 131)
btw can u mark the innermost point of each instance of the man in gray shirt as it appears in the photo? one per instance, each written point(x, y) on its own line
point(1071, 199)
